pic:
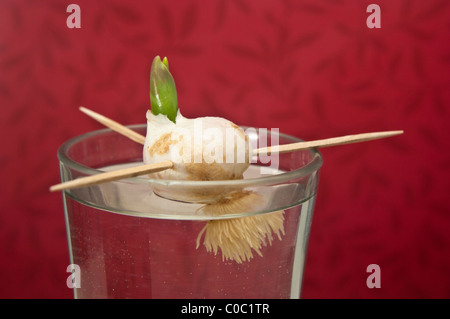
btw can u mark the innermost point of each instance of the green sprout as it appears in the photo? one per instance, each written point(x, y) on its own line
point(163, 93)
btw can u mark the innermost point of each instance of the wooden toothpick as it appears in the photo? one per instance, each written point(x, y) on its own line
point(115, 126)
point(348, 139)
point(157, 167)
point(112, 176)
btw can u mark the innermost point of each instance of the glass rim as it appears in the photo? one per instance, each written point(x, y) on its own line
point(312, 166)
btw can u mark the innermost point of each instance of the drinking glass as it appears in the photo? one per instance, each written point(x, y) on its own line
point(143, 237)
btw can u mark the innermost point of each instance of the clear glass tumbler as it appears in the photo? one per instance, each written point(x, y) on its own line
point(144, 238)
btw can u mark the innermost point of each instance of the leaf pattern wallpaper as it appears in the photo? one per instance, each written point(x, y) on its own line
point(313, 69)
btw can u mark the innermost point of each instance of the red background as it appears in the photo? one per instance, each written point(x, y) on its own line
point(310, 68)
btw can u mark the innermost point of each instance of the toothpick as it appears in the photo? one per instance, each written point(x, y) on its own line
point(157, 167)
point(348, 139)
point(112, 176)
point(115, 126)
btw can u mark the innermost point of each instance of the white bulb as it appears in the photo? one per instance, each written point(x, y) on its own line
point(206, 148)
